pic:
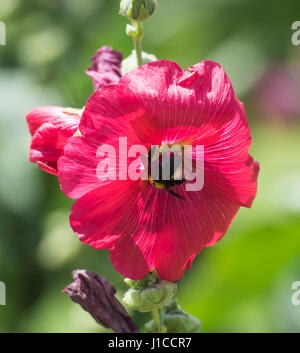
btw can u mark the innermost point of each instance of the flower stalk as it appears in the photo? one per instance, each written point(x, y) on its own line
point(137, 11)
point(159, 328)
point(136, 32)
point(138, 44)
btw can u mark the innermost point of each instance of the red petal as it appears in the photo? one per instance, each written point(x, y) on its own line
point(106, 213)
point(57, 116)
point(48, 142)
point(77, 168)
point(229, 170)
point(119, 218)
point(189, 226)
point(177, 101)
point(49, 167)
point(107, 115)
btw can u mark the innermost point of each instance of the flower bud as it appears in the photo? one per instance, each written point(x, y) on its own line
point(138, 10)
point(106, 67)
point(149, 294)
point(97, 296)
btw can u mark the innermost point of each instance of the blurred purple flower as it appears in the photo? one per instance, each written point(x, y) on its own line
point(106, 67)
point(97, 296)
point(279, 92)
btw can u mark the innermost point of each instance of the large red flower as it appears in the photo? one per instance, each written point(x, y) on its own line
point(50, 127)
point(144, 226)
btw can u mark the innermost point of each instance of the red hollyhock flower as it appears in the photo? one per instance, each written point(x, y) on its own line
point(51, 127)
point(143, 226)
point(106, 67)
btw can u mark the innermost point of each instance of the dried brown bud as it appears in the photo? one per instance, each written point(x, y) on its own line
point(97, 296)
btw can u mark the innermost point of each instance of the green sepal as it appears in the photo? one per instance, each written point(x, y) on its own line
point(149, 293)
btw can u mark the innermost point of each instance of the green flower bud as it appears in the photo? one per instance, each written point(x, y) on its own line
point(177, 320)
point(130, 63)
point(138, 10)
point(182, 323)
point(149, 294)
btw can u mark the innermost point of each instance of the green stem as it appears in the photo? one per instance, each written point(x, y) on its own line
point(138, 43)
point(138, 50)
point(157, 322)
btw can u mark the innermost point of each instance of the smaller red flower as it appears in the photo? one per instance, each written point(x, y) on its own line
point(50, 128)
point(106, 67)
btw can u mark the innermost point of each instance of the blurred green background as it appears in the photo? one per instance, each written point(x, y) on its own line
point(243, 284)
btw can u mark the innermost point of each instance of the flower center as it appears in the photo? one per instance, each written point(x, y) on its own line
point(165, 168)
